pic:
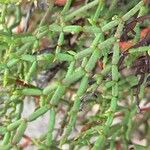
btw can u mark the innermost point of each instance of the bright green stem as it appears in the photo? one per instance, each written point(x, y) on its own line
point(80, 10)
point(98, 10)
point(129, 14)
point(66, 7)
point(3, 14)
point(99, 144)
point(50, 127)
point(75, 108)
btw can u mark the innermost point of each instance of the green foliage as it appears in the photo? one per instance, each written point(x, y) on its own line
point(81, 37)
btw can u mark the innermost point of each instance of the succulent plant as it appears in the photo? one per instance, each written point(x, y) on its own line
point(88, 60)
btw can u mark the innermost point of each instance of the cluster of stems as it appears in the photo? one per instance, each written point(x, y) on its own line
point(97, 40)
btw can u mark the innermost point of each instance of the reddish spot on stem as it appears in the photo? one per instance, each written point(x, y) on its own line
point(100, 64)
point(118, 145)
point(144, 32)
point(119, 114)
point(60, 2)
point(28, 140)
point(22, 83)
point(125, 45)
point(145, 109)
point(19, 29)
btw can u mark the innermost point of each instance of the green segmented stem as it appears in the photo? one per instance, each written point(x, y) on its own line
point(72, 29)
point(45, 57)
point(6, 138)
point(20, 131)
point(12, 62)
point(74, 77)
point(110, 25)
point(83, 86)
point(42, 101)
point(98, 10)
point(92, 61)
point(76, 106)
point(85, 53)
point(25, 47)
point(60, 42)
point(3, 14)
point(101, 45)
point(32, 69)
point(38, 113)
point(5, 79)
point(140, 49)
point(77, 102)
point(107, 43)
point(49, 88)
point(19, 110)
point(2, 130)
point(58, 94)
point(129, 124)
point(31, 91)
point(29, 58)
point(64, 57)
point(66, 7)
point(80, 10)
point(91, 29)
point(27, 38)
point(14, 125)
point(51, 126)
point(5, 147)
point(129, 14)
point(116, 57)
point(70, 69)
point(115, 77)
point(55, 27)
